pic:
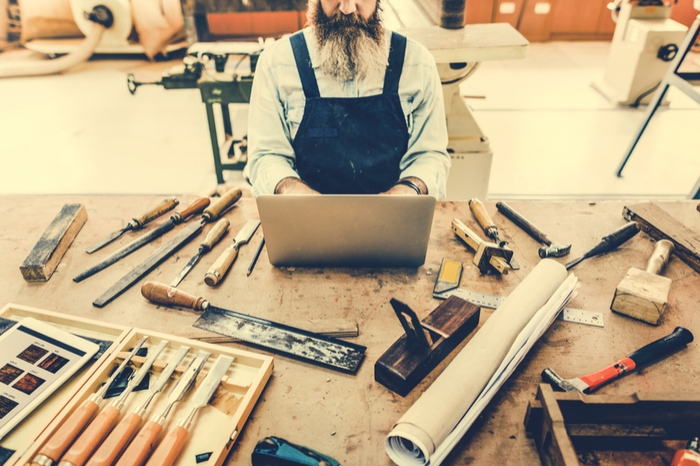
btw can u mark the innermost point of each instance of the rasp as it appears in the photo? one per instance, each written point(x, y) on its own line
point(205, 246)
point(226, 259)
point(194, 208)
point(169, 448)
point(136, 223)
point(320, 349)
point(211, 213)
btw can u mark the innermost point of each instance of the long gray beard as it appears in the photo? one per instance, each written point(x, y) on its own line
point(349, 48)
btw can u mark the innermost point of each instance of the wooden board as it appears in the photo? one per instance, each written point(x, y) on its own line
point(659, 224)
point(58, 236)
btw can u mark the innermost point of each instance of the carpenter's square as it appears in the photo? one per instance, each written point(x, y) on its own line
point(490, 301)
point(328, 351)
point(136, 223)
point(490, 228)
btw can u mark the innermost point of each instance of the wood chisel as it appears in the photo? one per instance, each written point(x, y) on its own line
point(226, 259)
point(136, 223)
point(490, 301)
point(490, 229)
point(142, 445)
point(97, 430)
point(59, 442)
point(210, 214)
point(320, 349)
point(120, 436)
point(196, 207)
point(169, 448)
point(609, 242)
point(205, 246)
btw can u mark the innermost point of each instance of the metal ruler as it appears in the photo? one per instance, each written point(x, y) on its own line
point(490, 301)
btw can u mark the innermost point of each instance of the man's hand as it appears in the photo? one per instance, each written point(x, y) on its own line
point(293, 185)
point(403, 189)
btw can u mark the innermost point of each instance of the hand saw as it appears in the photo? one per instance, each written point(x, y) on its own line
point(324, 350)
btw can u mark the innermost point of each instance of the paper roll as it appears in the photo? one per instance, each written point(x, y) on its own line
point(427, 423)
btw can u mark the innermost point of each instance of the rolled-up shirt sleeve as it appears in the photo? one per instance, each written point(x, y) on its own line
point(270, 153)
point(426, 157)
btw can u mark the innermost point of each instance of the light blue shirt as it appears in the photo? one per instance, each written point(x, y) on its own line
point(277, 107)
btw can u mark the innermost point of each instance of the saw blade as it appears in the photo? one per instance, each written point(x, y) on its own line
point(490, 301)
point(327, 351)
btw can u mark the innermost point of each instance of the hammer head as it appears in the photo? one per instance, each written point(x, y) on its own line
point(566, 385)
point(554, 250)
point(642, 295)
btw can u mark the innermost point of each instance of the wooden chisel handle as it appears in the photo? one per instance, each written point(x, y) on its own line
point(69, 431)
point(116, 441)
point(169, 448)
point(660, 257)
point(142, 445)
point(481, 215)
point(159, 293)
point(196, 207)
point(229, 198)
point(221, 266)
point(215, 234)
point(165, 206)
point(88, 441)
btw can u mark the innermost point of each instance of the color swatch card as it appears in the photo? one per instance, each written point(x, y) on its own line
point(35, 360)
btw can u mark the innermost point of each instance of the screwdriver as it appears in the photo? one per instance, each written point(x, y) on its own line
point(608, 242)
point(71, 427)
point(120, 436)
point(169, 448)
point(205, 246)
point(142, 445)
point(136, 223)
point(98, 429)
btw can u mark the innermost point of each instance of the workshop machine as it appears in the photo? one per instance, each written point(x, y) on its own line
point(643, 45)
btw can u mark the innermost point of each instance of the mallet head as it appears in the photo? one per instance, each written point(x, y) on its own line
point(554, 250)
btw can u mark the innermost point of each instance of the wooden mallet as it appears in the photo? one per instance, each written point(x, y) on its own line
point(643, 294)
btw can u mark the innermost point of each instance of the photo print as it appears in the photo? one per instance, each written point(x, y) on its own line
point(32, 354)
point(6, 405)
point(53, 363)
point(28, 384)
point(9, 373)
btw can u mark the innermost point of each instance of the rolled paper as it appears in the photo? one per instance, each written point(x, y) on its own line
point(424, 427)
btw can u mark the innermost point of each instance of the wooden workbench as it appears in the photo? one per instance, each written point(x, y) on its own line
point(345, 416)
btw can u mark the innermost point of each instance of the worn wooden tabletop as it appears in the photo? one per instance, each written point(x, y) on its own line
point(348, 416)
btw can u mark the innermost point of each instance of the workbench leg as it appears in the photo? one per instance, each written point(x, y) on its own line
point(214, 143)
point(228, 129)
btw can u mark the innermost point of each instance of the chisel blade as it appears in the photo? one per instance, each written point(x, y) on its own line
point(186, 269)
point(108, 239)
point(170, 369)
point(203, 394)
point(327, 351)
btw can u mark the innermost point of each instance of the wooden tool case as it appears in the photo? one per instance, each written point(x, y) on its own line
point(216, 427)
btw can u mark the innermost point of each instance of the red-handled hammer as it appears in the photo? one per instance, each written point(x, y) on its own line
point(650, 353)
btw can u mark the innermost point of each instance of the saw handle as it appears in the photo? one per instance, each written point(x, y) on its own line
point(116, 441)
point(158, 293)
point(169, 448)
point(165, 206)
point(69, 431)
point(221, 266)
point(229, 198)
point(523, 223)
point(142, 445)
point(660, 257)
point(215, 234)
point(196, 207)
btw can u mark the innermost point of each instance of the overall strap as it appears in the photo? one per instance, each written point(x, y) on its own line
point(303, 60)
point(396, 57)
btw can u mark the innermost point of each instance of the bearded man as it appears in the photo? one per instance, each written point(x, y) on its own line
point(347, 107)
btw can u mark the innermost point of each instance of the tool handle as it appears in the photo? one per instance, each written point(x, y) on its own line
point(196, 207)
point(158, 293)
point(116, 441)
point(661, 348)
point(614, 239)
point(165, 206)
point(69, 430)
point(215, 234)
point(229, 198)
point(660, 257)
point(467, 234)
point(142, 445)
point(523, 223)
point(221, 266)
point(93, 435)
point(481, 215)
point(169, 448)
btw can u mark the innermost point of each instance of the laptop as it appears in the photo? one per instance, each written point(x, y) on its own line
point(309, 230)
